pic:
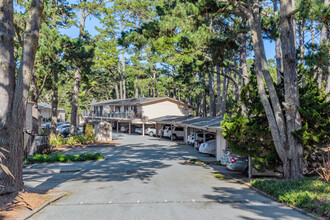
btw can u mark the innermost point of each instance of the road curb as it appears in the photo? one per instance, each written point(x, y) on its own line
point(274, 199)
point(50, 171)
point(43, 206)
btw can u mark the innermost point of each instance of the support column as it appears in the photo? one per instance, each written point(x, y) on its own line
point(185, 139)
point(204, 136)
point(221, 145)
point(129, 127)
point(143, 129)
point(117, 126)
point(171, 133)
point(157, 129)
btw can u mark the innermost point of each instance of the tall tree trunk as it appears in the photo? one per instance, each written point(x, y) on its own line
point(218, 90)
point(294, 162)
point(224, 96)
point(211, 93)
point(14, 97)
point(124, 75)
point(278, 49)
point(120, 82)
point(136, 87)
point(54, 101)
point(287, 150)
point(325, 36)
point(244, 71)
point(204, 105)
point(77, 79)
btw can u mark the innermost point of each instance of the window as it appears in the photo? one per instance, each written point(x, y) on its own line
point(179, 129)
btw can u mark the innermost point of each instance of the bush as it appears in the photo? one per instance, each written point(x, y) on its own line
point(45, 158)
point(56, 140)
point(309, 194)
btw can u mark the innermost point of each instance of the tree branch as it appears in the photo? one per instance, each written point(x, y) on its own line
point(18, 35)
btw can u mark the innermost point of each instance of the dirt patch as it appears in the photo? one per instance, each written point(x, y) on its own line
point(25, 203)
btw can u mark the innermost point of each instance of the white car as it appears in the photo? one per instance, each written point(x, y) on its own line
point(151, 131)
point(191, 139)
point(208, 147)
point(178, 132)
point(167, 132)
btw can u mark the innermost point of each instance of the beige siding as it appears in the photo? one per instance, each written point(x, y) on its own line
point(163, 109)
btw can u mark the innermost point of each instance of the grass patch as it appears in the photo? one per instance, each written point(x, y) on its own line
point(45, 158)
point(218, 175)
point(196, 162)
point(309, 194)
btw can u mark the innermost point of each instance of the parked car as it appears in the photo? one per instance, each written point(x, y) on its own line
point(191, 139)
point(225, 159)
point(138, 130)
point(178, 132)
point(124, 129)
point(62, 126)
point(238, 163)
point(65, 132)
point(167, 132)
point(161, 131)
point(151, 131)
point(47, 124)
point(208, 147)
point(199, 139)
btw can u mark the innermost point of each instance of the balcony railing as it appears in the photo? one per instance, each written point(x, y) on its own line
point(111, 115)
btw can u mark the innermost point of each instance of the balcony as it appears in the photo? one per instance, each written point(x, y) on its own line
point(111, 115)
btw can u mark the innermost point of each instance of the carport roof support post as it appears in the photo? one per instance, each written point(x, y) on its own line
point(143, 129)
point(117, 126)
point(185, 134)
point(171, 132)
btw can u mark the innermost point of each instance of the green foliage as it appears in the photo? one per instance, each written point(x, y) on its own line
point(89, 132)
point(308, 194)
point(250, 134)
point(324, 171)
point(315, 132)
point(45, 158)
point(56, 140)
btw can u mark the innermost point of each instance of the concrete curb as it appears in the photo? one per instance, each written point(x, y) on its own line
point(50, 171)
point(27, 216)
point(274, 199)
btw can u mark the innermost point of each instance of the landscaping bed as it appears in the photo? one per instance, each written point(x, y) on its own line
point(27, 203)
point(58, 157)
point(310, 194)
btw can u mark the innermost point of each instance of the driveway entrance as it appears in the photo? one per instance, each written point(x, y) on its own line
point(146, 178)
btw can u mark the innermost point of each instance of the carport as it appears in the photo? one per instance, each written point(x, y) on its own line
point(191, 124)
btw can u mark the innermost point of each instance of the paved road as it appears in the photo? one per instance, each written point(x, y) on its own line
point(145, 178)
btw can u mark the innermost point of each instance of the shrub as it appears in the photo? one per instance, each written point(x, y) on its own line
point(309, 194)
point(45, 158)
point(71, 140)
point(56, 140)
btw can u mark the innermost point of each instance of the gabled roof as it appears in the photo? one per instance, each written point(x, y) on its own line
point(137, 101)
point(42, 105)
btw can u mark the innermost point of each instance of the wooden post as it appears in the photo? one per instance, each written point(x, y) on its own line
point(204, 136)
point(143, 127)
point(185, 135)
point(171, 132)
point(219, 152)
point(129, 127)
point(117, 126)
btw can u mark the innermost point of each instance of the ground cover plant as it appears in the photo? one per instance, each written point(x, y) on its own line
point(57, 140)
point(45, 158)
point(310, 194)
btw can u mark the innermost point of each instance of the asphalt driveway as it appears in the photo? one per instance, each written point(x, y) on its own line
point(146, 178)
